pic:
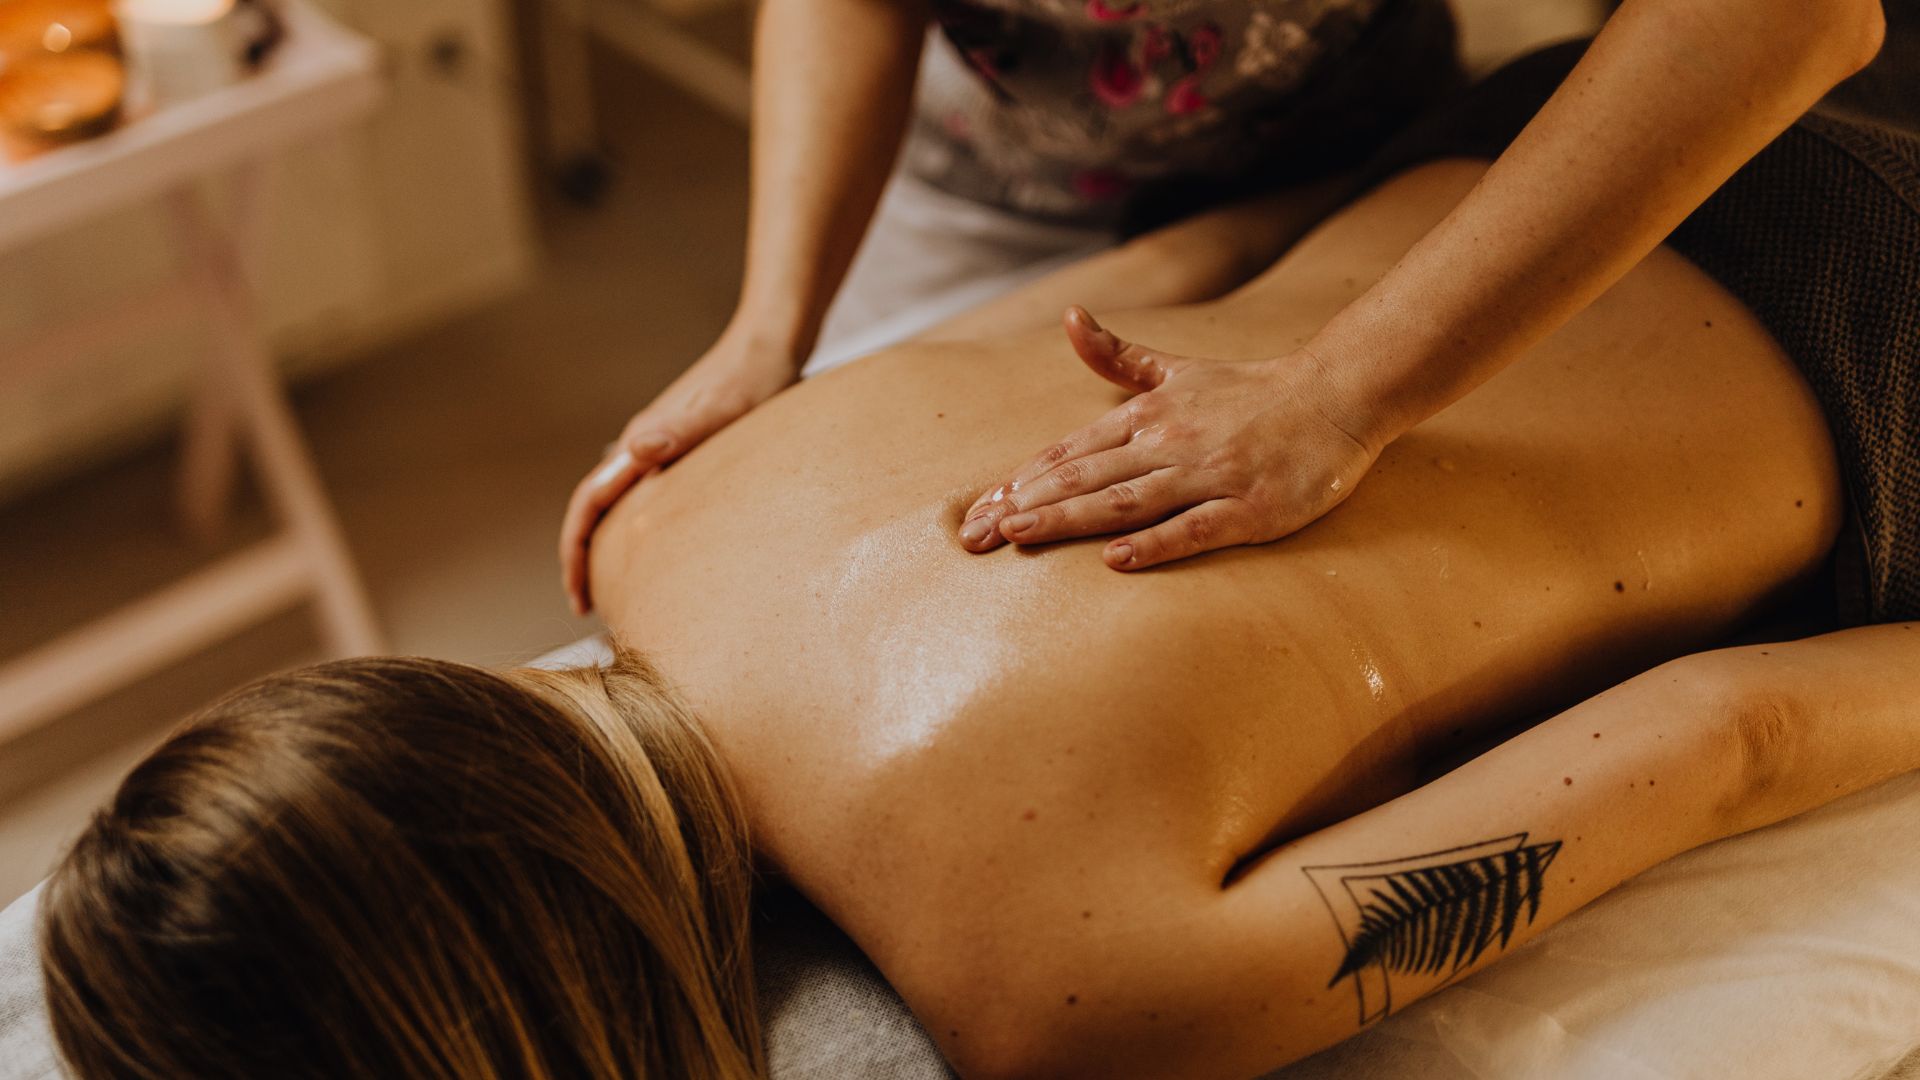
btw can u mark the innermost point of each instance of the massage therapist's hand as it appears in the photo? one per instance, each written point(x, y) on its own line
point(1228, 452)
point(725, 384)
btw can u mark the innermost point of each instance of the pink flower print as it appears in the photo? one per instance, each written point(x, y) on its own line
point(1184, 96)
point(1102, 11)
point(1203, 43)
point(1116, 81)
point(1156, 44)
point(1100, 185)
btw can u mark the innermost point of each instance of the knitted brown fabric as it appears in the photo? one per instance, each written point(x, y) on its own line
point(1819, 235)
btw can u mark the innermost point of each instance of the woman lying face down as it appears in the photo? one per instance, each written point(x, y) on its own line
point(1088, 824)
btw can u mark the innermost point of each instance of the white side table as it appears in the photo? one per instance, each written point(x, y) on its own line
point(321, 78)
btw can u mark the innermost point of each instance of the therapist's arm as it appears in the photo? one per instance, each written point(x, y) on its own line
point(1673, 96)
point(833, 85)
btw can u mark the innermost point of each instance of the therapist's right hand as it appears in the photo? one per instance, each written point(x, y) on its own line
point(734, 376)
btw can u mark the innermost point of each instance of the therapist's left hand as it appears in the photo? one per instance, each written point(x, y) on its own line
point(1217, 452)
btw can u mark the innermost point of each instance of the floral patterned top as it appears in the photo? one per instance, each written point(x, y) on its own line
point(1065, 109)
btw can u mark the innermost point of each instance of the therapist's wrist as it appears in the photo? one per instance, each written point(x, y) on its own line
point(1379, 381)
point(765, 343)
point(1351, 403)
point(774, 321)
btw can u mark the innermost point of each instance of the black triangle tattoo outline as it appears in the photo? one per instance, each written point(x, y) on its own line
point(1429, 914)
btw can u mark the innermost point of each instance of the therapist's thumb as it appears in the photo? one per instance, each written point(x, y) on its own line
point(1122, 363)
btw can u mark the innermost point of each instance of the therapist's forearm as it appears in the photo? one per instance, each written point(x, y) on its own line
point(1672, 98)
point(833, 83)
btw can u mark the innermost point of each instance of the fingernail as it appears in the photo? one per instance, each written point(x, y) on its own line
point(1019, 523)
point(976, 530)
point(653, 444)
point(1121, 553)
point(617, 464)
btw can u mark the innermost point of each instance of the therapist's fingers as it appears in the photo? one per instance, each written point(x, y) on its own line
point(1115, 429)
point(1132, 367)
point(1124, 504)
point(980, 531)
point(590, 500)
point(1214, 524)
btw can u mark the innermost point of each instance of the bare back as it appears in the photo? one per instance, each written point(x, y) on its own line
point(1035, 727)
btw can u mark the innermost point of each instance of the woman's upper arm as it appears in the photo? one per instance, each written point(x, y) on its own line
point(1323, 936)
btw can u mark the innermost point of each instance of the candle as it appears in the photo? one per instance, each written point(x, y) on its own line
point(179, 49)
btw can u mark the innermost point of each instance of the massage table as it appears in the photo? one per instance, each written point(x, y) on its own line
point(1791, 953)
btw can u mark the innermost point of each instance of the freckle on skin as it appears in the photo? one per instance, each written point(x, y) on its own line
point(1476, 624)
point(1649, 783)
point(1567, 780)
point(1596, 734)
point(1086, 914)
point(1709, 324)
point(1073, 999)
point(1029, 815)
point(1619, 586)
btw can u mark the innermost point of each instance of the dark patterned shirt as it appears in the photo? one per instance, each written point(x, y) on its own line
point(1065, 109)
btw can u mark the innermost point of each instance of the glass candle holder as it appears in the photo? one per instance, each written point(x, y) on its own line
point(178, 50)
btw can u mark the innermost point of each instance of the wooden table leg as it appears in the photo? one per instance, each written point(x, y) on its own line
point(209, 458)
point(216, 259)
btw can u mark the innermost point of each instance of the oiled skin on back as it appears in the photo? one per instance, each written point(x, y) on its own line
point(945, 749)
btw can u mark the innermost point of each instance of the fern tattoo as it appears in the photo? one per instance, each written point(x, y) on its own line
point(1430, 913)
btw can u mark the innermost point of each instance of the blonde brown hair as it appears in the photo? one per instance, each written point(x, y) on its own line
point(406, 867)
